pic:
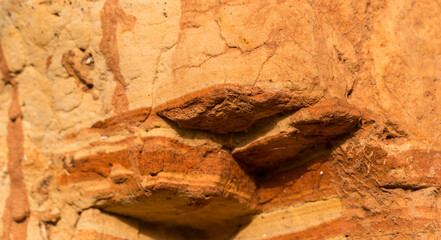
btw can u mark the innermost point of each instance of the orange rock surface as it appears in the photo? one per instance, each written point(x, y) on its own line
point(220, 119)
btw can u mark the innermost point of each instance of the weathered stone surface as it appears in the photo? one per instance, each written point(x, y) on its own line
point(161, 180)
point(183, 119)
point(307, 127)
point(79, 65)
point(398, 190)
point(229, 108)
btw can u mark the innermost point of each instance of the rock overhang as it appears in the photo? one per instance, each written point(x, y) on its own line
point(159, 179)
point(137, 168)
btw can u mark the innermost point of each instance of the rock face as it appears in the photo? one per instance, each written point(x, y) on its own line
point(179, 119)
point(226, 108)
point(307, 127)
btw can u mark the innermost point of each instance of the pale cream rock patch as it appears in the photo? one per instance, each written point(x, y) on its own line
point(65, 227)
point(201, 44)
point(142, 48)
point(96, 221)
point(5, 101)
point(13, 46)
point(292, 219)
point(36, 229)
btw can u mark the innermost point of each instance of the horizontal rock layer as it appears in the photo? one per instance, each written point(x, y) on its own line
point(158, 179)
point(180, 119)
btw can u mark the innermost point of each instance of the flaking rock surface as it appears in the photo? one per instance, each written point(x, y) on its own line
point(220, 119)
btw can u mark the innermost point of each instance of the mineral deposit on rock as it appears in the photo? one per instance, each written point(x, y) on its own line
point(220, 119)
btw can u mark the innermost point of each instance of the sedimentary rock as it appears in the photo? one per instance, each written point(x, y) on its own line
point(179, 119)
point(229, 108)
point(307, 127)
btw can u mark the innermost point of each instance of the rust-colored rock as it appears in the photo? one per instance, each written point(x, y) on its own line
point(244, 120)
point(229, 108)
point(194, 186)
point(15, 217)
point(307, 127)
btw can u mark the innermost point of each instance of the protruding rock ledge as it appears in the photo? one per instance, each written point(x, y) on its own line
point(229, 108)
point(159, 179)
point(309, 126)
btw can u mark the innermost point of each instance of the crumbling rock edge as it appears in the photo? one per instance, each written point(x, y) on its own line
point(229, 108)
point(162, 180)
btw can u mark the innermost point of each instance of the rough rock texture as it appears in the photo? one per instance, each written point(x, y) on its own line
point(229, 108)
point(220, 119)
point(307, 127)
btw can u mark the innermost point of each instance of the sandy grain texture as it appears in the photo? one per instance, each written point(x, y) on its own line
point(184, 119)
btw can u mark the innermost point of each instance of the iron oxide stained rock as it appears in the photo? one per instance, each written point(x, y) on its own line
point(229, 108)
point(307, 127)
point(409, 177)
point(67, 64)
point(161, 180)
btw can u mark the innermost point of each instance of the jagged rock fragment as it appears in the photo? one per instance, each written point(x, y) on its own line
point(308, 126)
point(229, 108)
